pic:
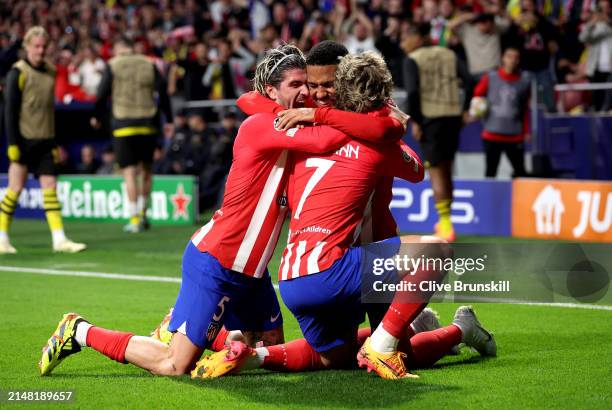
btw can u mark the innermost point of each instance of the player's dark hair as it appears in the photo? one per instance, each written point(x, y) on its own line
point(326, 52)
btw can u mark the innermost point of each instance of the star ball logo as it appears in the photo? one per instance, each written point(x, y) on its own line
point(180, 203)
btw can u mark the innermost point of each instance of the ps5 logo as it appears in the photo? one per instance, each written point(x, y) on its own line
point(463, 211)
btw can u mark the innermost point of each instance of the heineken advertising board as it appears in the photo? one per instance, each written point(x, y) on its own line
point(173, 199)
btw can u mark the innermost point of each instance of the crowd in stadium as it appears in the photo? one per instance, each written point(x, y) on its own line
point(207, 50)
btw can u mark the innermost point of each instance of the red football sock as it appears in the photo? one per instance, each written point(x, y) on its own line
point(426, 348)
point(400, 315)
point(363, 334)
point(219, 343)
point(110, 343)
point(294, 356)
point(407, 305)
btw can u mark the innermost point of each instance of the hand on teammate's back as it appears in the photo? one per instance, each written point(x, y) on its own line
point(399, 115)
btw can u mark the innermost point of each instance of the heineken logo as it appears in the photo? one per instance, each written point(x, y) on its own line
point(172, 199)
point(88, 202)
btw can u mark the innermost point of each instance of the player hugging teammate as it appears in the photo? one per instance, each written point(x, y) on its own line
point(225, 281)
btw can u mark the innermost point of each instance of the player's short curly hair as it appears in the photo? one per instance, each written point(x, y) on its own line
point(327, 52)
point(272, 67)
point(363, 82)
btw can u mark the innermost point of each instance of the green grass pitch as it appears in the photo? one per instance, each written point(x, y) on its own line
point(548, 357)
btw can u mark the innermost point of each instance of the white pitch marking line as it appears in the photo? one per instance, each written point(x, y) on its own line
point(165, 279)
point(85, 274)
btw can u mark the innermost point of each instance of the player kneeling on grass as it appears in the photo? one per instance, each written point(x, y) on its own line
point(224, 276)
point(320, 274)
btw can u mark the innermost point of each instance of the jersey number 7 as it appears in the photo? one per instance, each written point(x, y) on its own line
point(322, 167)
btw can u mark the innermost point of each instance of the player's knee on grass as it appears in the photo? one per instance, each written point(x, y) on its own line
point(340, 357)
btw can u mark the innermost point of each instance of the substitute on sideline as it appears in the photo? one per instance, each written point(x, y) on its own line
point(30, 126)
point(132, 81)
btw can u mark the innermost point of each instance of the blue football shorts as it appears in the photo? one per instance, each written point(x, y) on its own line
point(328, 304)
point(212, 296)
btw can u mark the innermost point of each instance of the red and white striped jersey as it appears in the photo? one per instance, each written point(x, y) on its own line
point(328, 195)
point(378, 222)
point(242, 234)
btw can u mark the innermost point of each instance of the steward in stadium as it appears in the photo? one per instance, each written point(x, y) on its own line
point(431, 80)
point(30, 126)
point(132, 81)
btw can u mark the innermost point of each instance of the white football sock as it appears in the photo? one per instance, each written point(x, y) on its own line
point(133, 207)
point(382, 341)
point(255, 362)
point(142, 204)
point(58, 236)
point(3, 236)
point(81, 333)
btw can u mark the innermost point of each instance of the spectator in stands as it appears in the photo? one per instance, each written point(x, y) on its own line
point(431, 79)
point(537, 38)
point(480, 35)
point(389, 45)
point(225, 75)
point(109, 165)
point(597, 35)
point(439, 24)
point(315, 31)
point(195, 67)
point(89, 163)
point(190, 147)
point(212, 177)
point(199, 141)
point(90, 70)
point(64, 165)
point(289, 29)
point(506, 122)
point(571, 69)
point(361, 28)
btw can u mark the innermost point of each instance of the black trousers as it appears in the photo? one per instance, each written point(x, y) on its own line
point(599, 96)
point(515, 152)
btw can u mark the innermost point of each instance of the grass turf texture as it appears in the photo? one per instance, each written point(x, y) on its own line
point(548, 356)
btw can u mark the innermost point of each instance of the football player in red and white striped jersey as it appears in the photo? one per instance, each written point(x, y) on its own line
point(321, 275)
point(225, 280)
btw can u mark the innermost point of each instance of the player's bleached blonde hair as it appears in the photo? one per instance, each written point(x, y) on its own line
point(363, 82)
point(271, 69)
point(36, 31)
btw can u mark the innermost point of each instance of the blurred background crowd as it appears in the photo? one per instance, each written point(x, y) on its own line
point(208, 49)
